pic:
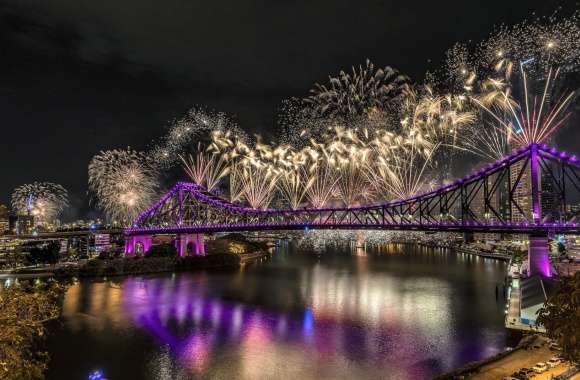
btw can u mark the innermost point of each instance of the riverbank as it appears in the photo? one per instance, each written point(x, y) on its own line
point(147, 265)
point(531, 349)
point(468, 251)
point(251, 257)
point(229, 251)
point(138, 265)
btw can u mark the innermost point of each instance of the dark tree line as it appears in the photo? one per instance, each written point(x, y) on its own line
point(561, 316)
point(44, 254)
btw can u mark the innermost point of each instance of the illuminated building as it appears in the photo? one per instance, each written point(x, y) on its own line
point(4, 220)
point(522, 193)
point(102, 242)
point(24, 224)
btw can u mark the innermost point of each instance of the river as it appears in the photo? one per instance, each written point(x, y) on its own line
point(389, 312)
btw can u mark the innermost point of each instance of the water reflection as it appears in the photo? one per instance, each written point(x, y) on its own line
point(394, 312)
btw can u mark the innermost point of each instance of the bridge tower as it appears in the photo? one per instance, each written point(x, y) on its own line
point(193, 244)
point(538, 247)
point(137, 245)
point(539, 256)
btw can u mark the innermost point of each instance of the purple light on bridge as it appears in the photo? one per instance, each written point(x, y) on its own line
point(285, 214)
point(539, 256)
point(137, 244)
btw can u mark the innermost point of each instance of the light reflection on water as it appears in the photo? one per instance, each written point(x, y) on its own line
point(398, 312)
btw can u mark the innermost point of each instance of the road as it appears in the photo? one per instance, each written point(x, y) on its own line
point(522, 359)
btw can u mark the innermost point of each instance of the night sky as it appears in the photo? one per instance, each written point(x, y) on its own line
point(81, 76)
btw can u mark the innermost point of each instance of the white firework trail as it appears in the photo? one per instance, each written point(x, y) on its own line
point(205, 168)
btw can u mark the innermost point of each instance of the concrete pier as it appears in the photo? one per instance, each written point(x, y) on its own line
point(190, 244)
point(539, 256)
point(137, 245)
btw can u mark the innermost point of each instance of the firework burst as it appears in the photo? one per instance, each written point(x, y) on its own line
point(441, 118)
point(294, 185)
point(513, 81)
point(43, 200)
point(187, 131)
point(123, 182)
point(533, 119)
point(547, 42)
point(361, 92)
point(258, 185)
point(206, 169)
point(542, 43)
point(323, 182)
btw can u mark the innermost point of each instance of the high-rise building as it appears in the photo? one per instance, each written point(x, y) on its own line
point(4, 219)
point(24, 224)
point(551, 200)
point(522, 194)
point(573, 211)
point(102, 242)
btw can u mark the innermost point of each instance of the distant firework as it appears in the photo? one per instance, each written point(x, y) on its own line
point(541, 44)
point(123, 182)
point(43, 200)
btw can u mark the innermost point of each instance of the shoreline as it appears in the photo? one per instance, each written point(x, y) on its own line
point(51, 271)
point(487, 255)
point(110, 267)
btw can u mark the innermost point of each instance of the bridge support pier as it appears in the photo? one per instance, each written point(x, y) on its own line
point(137, 245)
point(196, 241)
point(539, 256)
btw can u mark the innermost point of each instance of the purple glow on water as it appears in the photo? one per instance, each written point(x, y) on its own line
point(308, 322)
point(347, 316)
point(258, 332)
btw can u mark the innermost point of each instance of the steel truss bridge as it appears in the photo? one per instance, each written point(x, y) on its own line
point(528, 192)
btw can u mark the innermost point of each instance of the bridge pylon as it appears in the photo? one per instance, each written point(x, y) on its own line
point(539, 256)
point(138, 244)
point(190, 244)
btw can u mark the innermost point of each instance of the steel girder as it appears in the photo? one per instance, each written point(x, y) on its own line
point(530, 190)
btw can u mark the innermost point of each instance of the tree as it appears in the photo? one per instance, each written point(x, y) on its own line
point(45, 254)
point(162, 250)
point(560, 315)
point(24, 310)
point(109, 254)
